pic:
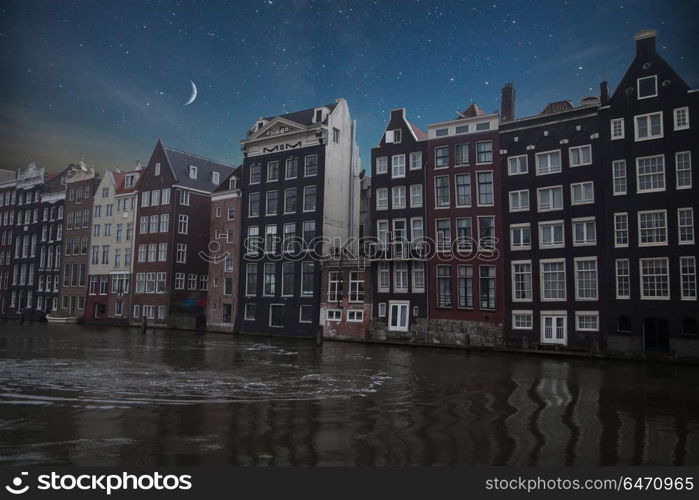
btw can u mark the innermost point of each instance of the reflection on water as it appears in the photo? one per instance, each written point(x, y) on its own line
point(103, 396)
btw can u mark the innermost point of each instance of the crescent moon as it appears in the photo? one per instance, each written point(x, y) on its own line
point(194, 94)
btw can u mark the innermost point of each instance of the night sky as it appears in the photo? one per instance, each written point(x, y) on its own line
point(106, 79)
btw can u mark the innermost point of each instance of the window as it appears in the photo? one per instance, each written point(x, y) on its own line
point(441, 132)
point(582, 193)
point(181, 253)
point(276, 315)
point(251, 279)
point(250, 312)
point(520, 237)
point(443, 286)
point(233, 183)
point(652, 228)
point(416, 160)
point(487, 286)
point(623, 279)
point(461, 154)
point(522, 320)
point(461, 129)
point(270, 239)
point(649, 126)
point(309, 198)
point(382, 165)
point(310, 166)
point(162, 252)
point(154, 201)
point(183, 224)
point(519, 201)
point(382, 199)
point(681, 118)
point(153, 225)
point(580, 155)
point(184, 198)
point(621, 230)
point(522, 281)
point(152, 252)
point(517, 165)
point(584, 231)
point(619, 177)
point(292, 168)
point(255, 173)
point(254, 205)
point(309, 232)
point(553, 280)
point(689, 327)
point(157, 169)
point(165, 198)
point(464, 287)
point(441, 187)
point(336, 314)
point(400, 277)
point(617, 128)
point(230, 212)
point(551, 234)
point(356, 286)
point(550, 198)
point(336, 135)
point(485, 188)
point(486, 232)
point(334, 286)
point(145, 198)
point(548, 162)
point(484, 152)
point(272, 198)
point(417, 229)
point(418, 276)
point(587, 321)
point(270, 282)
point(443, 230)
point(164, 224)
point(683, 170)
point(685, 226)
point(650, 174)
point(355, 316)
point(272, 171)
point(305, 314)
point(464, 233)
point(441, 157)
point(586, 278)
point(307, 271)
point(655, 278)
point(416, 195)
point(290, 201)
point(398, 197)
point(463, 190)
point(647, 87)
point(397, 166)
point(289, 243)
point(688, 277)
point(384, 277)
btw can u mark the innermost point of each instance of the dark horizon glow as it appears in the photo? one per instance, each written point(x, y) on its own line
point(106, 79)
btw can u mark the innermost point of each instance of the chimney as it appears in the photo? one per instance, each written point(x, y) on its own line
point(604, 93)
point(645, 42)
point(507, 103)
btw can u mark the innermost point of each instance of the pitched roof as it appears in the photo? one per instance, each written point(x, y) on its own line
point(304, 117)
point(473, 111)
point(557, 107)
point(421, 136)
point(223, 186)
point(181, 161)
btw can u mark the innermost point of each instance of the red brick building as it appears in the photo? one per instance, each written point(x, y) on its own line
point(224, 247)
point(346, 298)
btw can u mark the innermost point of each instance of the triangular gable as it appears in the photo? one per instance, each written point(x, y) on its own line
point(272, 128)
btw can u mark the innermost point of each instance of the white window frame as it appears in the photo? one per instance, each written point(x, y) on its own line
point(415, 159)
point(675, 114)
point(395, 164)
point(640, 280)
point(531, 280)
point(540, 154)
point(576, 260)
point(586, 242)
point(515, 227)
point(518, 164)
point(541, 280)
point(381, 165)
point(380, 191)
point(518, 195)
point(523, 312)
point(413, 189)
point(582, 185)
point(333, 315)
point(478, 188)
point(677, 171)
point(638, 174)
point(538, 198)
point(650, 135)
point(395, 197)
point(355, 316)
point(652, 244)
point(621, 163)
point(638, 87)
point(692, 276)
point(612, 122)
point(679, 226)
point(584, 314)
point(580, 149)
point(617, 275)
point(617, 217)
point(543, 224)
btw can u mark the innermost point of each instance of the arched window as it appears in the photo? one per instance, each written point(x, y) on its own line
point(689, 327)
point(623, 324)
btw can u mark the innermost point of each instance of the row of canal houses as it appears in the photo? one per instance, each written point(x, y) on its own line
point(574, 227)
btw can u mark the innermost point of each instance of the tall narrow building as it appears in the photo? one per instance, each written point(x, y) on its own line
point(648, 130)
point(8, 198)
point(300, 186)
point(398, 209)
point(170, 276)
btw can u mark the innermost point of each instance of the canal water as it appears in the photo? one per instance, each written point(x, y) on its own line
point(89, 395)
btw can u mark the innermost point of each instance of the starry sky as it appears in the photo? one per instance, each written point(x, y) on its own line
point(106, 79)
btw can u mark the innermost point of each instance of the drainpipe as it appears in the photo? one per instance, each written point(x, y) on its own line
point(352, 176)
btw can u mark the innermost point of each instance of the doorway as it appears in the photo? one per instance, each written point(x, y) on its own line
point(398, 316)
point(656, 336)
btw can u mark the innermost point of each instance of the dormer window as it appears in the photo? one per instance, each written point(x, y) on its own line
point(192, 172)
point(260, 125)
point(129, 181)
point(318, 116)
point(157, 169)
point(233, 183)
point(647, 87)
point(215, 178)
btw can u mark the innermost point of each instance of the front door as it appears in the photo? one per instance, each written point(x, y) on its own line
point(553, 329)
point(398, 316)
point(655, 335)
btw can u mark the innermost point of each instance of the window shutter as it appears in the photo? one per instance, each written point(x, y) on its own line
point(389, 136)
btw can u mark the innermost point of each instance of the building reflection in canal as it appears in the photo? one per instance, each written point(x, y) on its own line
point(102, 396)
